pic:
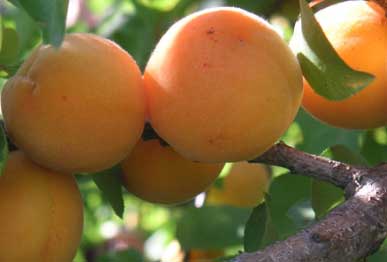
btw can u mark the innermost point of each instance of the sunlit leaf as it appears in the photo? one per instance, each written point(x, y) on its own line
point(10, 46)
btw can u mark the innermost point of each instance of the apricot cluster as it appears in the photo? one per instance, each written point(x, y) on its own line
point(78, 108)
point(220, 86)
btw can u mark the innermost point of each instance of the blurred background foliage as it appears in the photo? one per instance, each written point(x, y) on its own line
point(149, 232)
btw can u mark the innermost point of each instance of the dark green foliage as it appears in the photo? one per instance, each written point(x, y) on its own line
point(110, 184)
point(50, 15)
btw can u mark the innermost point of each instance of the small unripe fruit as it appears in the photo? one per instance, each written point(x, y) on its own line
point(199, 255)
point(78, 108)
point(358, 32)
point(222, 86)
point(244, 186)
point(42, 213)
point(158, 174)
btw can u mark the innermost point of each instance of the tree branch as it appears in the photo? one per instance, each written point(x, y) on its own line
point(334, 172)
point(351, 231)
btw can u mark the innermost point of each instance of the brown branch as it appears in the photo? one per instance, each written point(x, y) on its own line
point(383, 4)
point(301, 163)
point(351, 231)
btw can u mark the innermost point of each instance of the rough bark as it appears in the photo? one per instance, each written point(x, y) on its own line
point(351, 231)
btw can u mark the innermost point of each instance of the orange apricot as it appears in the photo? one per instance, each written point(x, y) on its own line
point(244, 186)
point(222, 86)
point(199, 255)
point(42, 213)
point(358, 32)
point(78, 108)
point(158, 174)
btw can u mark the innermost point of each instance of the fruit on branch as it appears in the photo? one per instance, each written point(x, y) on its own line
point(222, 86)
point(42, 213)
point(243, 186)
point(79, 108)
point(158, 174)
point(358, 32)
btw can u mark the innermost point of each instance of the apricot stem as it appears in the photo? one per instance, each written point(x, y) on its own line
point(383, 4)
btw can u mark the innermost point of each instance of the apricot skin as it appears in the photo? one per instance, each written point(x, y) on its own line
point(244, 186)
point(76, 109)
point(222, 86)
point(198, 255)
point(42, 213)
point(158, 174)
point(358, 32)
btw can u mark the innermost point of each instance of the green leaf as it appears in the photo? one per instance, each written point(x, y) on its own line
point(3, 150)
point(259, 229)
point(301, 213)
point(344, 154)
point(318, 136)
point(288, 194)
point(380, 255)
point(372, 150)
point(1, 32)
point(10, 46)
point(326, 196)
point(322, 67)
point(255, 228)
point(263, 8)
point(211, 227)
point(108, 181)
point(140, 31)
point(50, 15)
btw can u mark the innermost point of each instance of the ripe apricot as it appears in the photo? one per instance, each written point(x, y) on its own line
point(158, 174)
point(244, 186)
point(222, 86)
point(358, 32)
point(79, 108)
point(199, 255)
point(42, 213)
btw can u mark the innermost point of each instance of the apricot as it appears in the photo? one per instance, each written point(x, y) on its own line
point(244, 186)
point(41, 213)
point(199, 255)
point(158, 174)
point(79, 108)
point(358, 32)
point(222, 86)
